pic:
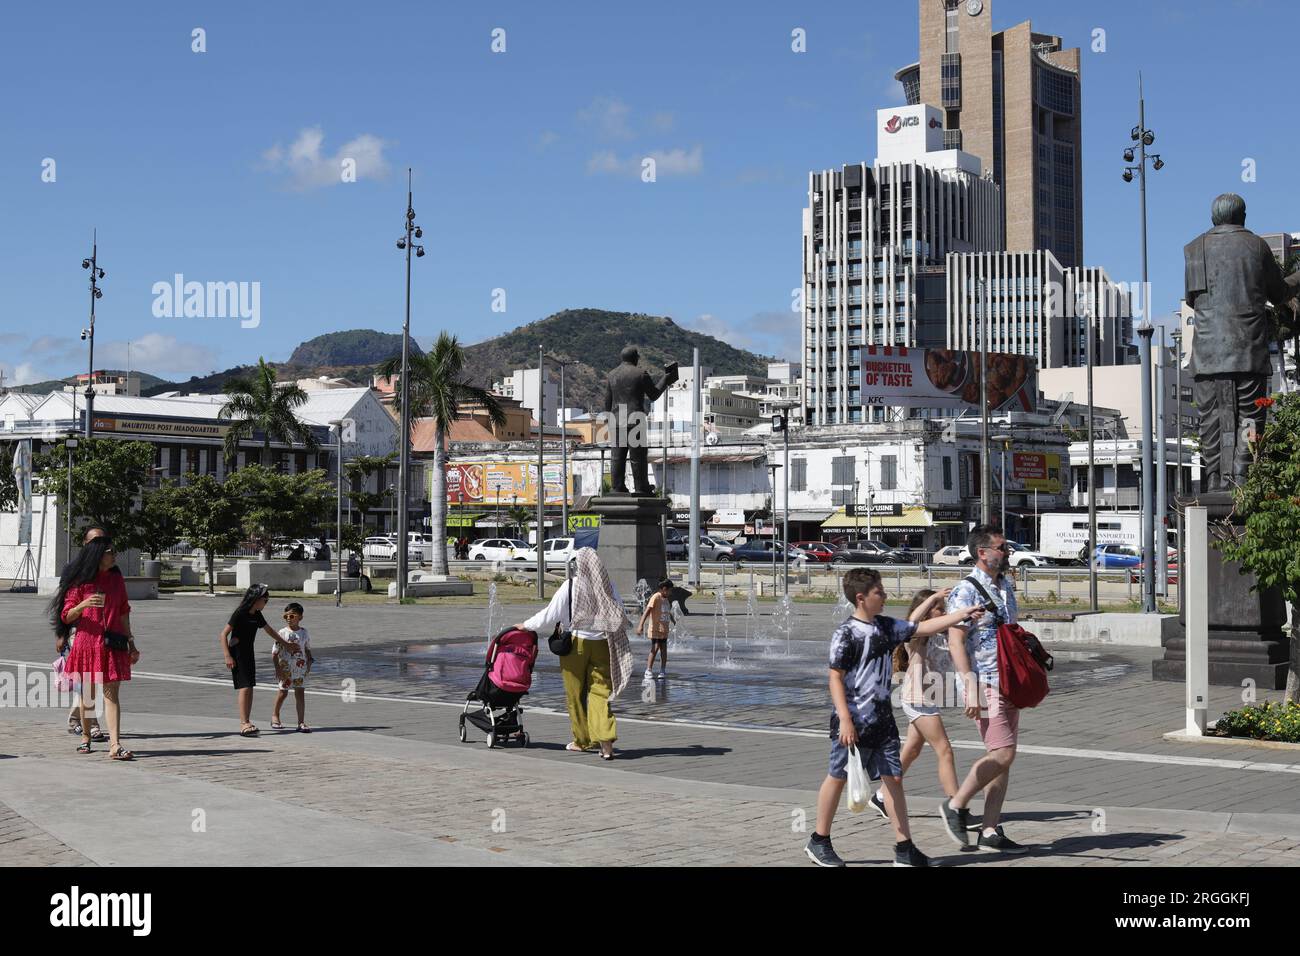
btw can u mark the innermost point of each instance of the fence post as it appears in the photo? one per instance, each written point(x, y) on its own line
point(1028, 577)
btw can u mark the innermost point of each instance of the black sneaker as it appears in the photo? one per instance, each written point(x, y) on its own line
point(822, 853)
point(956, 822)
point(998, 843)
point(974, 824)
point(878, 802)
point(906, 854)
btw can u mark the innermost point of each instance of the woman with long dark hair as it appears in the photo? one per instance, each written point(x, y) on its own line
point(92, 595)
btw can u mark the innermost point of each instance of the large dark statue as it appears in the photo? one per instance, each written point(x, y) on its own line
point(628, 392)
point(1231, 276)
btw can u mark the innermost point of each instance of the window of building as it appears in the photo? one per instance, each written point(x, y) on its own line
point(888, 472)
point(842, 470)
point(799, 474)
point(950, 79)
point(947, 473)
point(841, 497)
point(952, 21)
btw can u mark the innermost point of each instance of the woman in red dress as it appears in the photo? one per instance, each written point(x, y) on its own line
point(92, 595)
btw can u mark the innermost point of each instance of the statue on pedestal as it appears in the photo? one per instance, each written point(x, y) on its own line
point(1231, 276)
point(628, 390)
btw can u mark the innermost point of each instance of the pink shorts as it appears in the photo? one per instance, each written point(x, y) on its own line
point(1001, 728)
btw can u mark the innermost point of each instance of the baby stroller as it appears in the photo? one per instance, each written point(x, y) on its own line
point(493, 706)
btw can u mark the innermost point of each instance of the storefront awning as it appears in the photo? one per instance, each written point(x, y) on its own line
point(815, 516)
point(912, 520)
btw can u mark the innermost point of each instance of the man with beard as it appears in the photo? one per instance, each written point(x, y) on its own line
point(974, 650)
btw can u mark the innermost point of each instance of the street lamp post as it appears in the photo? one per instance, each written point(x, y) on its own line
point(773, 468)
point(71, 444)
point(1092, 460)
point(1161, 565)
point(1004, 440)
point(986, 465)
point(96, 273)
point(541, 474)
point(337, 424)
point(404, 464)
point(1145, 332)
point(1179, 486)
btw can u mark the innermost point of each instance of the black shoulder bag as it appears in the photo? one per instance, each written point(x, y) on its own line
point(561, 641)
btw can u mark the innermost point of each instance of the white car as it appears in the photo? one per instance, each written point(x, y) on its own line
point(558, 552)
point(1021, 556)
point(500, 549)
point(953, 555)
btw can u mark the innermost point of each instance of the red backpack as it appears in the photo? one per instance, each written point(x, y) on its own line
point(1022, 662)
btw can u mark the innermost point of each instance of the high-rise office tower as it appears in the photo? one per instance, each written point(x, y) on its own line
point(1011, 98)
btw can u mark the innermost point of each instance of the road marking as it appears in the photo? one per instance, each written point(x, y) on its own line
point(1216, 763)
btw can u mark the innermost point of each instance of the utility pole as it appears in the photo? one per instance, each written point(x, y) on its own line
point(986, 464)
point(694, 552)
point(541, 475)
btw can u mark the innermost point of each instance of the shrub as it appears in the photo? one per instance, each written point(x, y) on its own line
point(1267, 721)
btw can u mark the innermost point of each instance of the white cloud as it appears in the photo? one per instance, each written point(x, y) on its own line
point(672, 162)
point(159, 355)
point(547, 138)
point(24, 373)
point(609, 116)
point(767, 333)
point(308, 168)
point(661, 122)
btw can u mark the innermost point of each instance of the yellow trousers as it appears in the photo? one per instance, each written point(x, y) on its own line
point(586, 691)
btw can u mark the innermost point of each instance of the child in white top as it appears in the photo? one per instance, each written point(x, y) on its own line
point(291, 669)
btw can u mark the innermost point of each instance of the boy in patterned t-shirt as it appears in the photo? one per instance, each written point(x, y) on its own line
point(862, 725)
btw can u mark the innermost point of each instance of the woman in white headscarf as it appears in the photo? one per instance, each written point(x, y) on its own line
point(600, 664)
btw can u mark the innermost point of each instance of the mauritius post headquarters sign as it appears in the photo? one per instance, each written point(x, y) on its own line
point(942, 378)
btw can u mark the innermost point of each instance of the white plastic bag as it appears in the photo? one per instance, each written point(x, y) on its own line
point(859, 789)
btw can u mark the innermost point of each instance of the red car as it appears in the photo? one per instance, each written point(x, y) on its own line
point(818, 551)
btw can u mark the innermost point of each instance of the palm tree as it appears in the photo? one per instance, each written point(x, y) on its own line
point(258, 403)
point(437, 391)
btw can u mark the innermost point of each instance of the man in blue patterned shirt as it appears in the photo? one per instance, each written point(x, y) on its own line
point(974, 651)
point(862, 724)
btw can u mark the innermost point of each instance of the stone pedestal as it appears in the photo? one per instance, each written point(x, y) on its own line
point(631, 540)
point(1247, 628)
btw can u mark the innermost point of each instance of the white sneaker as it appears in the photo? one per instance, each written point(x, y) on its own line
point(662, 675)
point(649, 675)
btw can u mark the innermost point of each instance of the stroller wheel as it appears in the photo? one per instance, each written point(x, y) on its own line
point(462, 729)
point(524, 739)
point(491, 739)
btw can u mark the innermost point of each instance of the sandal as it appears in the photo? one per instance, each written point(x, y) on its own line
point(304, 729)
point(74, 726)
point(120, 753)
point(84, 747)
point(607, 756)
point(276, 725)
point(572, 745)
point(98, 735)
point(249, 731)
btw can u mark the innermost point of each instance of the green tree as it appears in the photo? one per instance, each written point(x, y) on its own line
point(437, 390)
point(1270, 502)
point(257, 403)
point(358, 471)
point(210, 516)
point(107, 478)
point(519, 516)
point(280, 506)
point(157, 519)
point(8, 487)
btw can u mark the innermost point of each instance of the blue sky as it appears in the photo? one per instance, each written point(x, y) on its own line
point(223, 165)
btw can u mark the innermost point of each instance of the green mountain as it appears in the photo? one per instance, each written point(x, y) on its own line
point(351, 348)
point(589, 342)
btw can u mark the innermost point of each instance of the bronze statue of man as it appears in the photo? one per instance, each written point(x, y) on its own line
point(1231, 275)
point(628, 391)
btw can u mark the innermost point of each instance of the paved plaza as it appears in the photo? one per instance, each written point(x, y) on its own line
point(719, 764)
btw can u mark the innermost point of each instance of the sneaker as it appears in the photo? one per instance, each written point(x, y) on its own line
point(662, 675)
point(878, 802)
point(998, 843)
point(974, 824)
point(649, 675)
point(822, 853)
point(956, 823)
point(906, 854)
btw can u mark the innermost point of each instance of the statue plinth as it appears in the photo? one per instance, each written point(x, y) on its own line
point(631, 543)
point(1247, 628)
